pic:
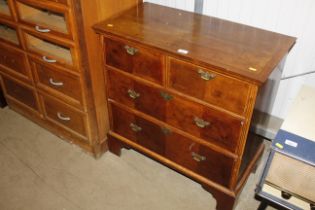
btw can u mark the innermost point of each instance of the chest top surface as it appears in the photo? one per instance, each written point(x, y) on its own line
point(237, 49)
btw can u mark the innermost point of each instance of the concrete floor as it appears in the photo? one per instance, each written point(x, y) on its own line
point(38, 171)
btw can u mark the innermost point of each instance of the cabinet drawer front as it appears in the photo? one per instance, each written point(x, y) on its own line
point(21, 93)
point(43, 18)
point(219, 128)
point(136, 60)
point(8, 33)
point(55, 80)
point(14, 60)
point(214, 88)
point(136, 95)
point(64, 115)
point(204, 122)
point(5, 10)
point(181, 150)
point(49, 51)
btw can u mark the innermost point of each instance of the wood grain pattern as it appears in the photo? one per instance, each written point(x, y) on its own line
point(20, 93)
point(58, 82)
point(210, 86)
point(173, 146)
point(14, 60)
point(223, 129)
point(229, 46)
point(136, 60)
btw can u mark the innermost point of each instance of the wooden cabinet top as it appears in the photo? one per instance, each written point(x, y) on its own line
point(233, 48)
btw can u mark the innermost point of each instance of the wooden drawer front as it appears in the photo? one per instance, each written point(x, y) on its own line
point(49, 51)
point(204, 122)
point(20, 92)
point(179, 149)
point(14, 60)
point(8, 33)
point(5, 10)
point(136, 60)
point(64, 115)
point(220, 128)
point(43, 18)
point(228, 93)
point(57, 81)
point(136, 95)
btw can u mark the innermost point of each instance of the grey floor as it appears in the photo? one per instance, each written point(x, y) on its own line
point(38, 171)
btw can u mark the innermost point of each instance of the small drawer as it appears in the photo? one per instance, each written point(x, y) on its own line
point(20, 92)
point(57, 82)
point(64, 116)
point(133, 59)
point(5, 9)
point(210, 86)
point(14, 60)
point(8, 33)
point(179, 149)
point(204, 122)
point(44, 18)
point(50, 51)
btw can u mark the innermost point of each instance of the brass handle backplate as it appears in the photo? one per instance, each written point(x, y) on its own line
point(206, 75)
point(133, 94)
point(198, 157)
point(166, 131)
point(135, 127)
point(201, 123)
point(131, 50)
point(166, 96)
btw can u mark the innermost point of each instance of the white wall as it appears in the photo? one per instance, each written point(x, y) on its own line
point(291, 17)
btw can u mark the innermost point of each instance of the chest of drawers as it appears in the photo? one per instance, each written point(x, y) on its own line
point(181, 89)
point(49, 67)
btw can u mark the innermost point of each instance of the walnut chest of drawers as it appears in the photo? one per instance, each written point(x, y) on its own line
point(49, 67)
point(181, 89)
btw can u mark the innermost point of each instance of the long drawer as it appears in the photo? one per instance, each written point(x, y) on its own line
point(204, 122)
point(179, 149)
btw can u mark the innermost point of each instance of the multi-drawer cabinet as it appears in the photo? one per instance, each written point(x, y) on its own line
point(181, 89)
point(50, 68)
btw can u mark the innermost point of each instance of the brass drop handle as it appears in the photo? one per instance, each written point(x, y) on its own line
point(49, 60)
point(198, 157)
point(54, 83)
point(201, 123)
point(131, 50)
point(63, 118)
point(42, 30)
point(206, 75)
point(133, 94)
point(135, 127)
